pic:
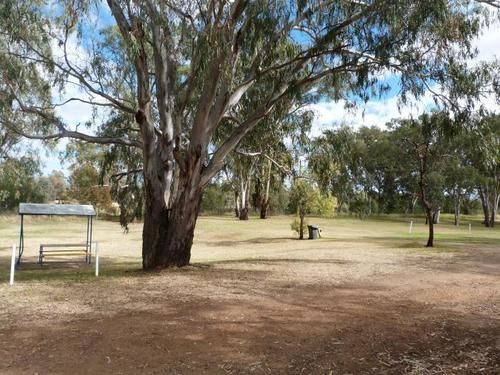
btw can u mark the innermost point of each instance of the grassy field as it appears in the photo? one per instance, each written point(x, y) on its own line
point(367, 297)
point(220, 239)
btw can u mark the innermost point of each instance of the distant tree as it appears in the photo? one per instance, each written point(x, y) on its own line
point(85, 188)
point(58, 185)
point(19, 182)
point(306, 199)
point(380, 159)
point(336, 161)
point(119, 175)
point(423, 149)
point(460, 178)
point(217, 198)
point(263, 157)
point(483, 153)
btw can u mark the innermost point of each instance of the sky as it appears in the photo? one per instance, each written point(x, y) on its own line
point(379, 112)
point(328, 114)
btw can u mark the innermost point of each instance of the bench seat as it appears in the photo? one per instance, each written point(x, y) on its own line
point(49, 250)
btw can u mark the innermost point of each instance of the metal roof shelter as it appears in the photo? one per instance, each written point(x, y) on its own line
point(55, 210)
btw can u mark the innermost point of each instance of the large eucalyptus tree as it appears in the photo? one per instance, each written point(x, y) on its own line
point(179, 69)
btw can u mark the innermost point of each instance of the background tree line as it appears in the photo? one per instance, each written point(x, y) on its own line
point(369, 171)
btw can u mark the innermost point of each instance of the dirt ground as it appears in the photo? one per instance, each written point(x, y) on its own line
point(365, 299)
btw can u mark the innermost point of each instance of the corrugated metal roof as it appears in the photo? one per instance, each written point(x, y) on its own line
point(56, 209)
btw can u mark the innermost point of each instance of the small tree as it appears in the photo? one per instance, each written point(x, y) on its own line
point(302, 201)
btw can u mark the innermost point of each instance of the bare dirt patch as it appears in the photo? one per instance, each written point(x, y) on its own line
point(341, 305)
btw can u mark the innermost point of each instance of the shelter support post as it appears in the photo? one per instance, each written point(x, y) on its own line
point(89, 240)
point(21, 240)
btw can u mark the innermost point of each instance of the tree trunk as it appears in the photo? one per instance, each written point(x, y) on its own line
point(486, 207)
point(425, 202)
point(169, 220)
point(457, 212)
point(263, 209)
point(494, 207)
point(413, 203)
point(236, 204)
point(243, 214)
point(264, 204)
point(436, 215)
point(430, 221)
point(301, 229)
point(168, 234)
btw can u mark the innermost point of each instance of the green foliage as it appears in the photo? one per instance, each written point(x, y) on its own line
point(324, 205)
point(305, 199)
point(357, 168)
point(279, 199)
point(217, 199)
point(20, 182)
point(58, 186)
point(377, 171)
point(85, 188)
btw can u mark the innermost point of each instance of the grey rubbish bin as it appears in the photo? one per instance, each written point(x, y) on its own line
point(313, 232)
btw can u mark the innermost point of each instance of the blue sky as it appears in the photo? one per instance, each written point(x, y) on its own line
point(327, 113)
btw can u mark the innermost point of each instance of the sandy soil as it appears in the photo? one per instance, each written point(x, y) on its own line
point(262, 302)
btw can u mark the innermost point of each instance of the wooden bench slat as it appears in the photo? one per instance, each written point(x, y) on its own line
point(61, 254)
point(63, 251)
point(66, 252)
point(61, 245)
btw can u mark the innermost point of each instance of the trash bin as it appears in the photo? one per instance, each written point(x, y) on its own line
point(313, 232)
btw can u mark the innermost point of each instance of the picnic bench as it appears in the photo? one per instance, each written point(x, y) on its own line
point(64, 250)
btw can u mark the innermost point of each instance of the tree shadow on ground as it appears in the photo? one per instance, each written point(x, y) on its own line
point(67, 270)
point(256, 240)
point(272, 261)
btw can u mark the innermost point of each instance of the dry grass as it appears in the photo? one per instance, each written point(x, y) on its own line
point(250, 244)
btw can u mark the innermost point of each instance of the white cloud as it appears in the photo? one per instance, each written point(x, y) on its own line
point(488, 43)
point(73, 112)
point(373, 113)
point(379, 112)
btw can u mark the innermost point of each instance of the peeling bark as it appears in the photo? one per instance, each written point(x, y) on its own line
point(168, 232)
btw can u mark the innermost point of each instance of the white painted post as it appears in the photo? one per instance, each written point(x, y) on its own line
point(470, 227)
point(12, 265)
point(411, 226)
point(96, 260)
